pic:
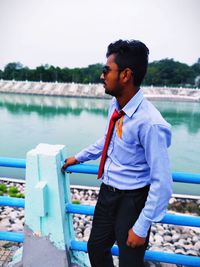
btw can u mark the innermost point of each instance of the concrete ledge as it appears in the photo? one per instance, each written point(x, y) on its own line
point(93, 90)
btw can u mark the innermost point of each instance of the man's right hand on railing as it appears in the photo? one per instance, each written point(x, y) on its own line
point(68, 162)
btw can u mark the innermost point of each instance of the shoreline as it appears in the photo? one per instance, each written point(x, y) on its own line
point(155, 97)
point(94, 91)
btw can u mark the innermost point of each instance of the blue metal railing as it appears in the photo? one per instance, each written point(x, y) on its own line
point(13, 163)
point(12, 236)
point(12, 202)
point(149, 255)
point(182, 177)
point(193, 221)
point(183, 220)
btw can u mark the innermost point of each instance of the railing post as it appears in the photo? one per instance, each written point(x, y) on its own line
point(48, 229)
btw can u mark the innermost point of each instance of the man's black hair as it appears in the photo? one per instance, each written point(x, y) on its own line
point(131, 54)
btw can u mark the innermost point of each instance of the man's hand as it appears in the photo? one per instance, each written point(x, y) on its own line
point(68, 162)
point(134, 240)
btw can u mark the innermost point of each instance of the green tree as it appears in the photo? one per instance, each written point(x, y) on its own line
point(65, 75)
point(165, 72)
point(95, 72)
point(11, 70)
point(196, 67)
point(168, 72)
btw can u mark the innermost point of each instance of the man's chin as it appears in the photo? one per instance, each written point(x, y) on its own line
point(106, 91)
point(109, 92)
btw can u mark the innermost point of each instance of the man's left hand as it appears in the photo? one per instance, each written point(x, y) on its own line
point(134, 240)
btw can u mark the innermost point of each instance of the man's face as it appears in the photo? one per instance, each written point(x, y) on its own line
point(111, 77)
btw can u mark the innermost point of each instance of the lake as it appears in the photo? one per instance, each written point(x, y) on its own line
point(27, 120)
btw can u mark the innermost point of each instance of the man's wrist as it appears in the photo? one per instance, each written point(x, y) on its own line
point(141, 228)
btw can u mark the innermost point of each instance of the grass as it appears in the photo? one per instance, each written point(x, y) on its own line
point(12, 191)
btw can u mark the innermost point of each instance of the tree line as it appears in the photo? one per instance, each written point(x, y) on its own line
point(165, 72)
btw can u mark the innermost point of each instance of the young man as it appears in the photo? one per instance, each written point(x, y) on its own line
point(134, 168)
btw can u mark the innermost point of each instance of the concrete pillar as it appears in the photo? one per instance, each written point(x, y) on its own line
point(48, 229)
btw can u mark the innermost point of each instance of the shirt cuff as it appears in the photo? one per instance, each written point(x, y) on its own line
point(79, 157)
point(141, 227)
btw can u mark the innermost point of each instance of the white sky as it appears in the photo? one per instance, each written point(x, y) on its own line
point(76, 33)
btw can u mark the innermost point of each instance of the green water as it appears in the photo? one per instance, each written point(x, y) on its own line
point(26, 121)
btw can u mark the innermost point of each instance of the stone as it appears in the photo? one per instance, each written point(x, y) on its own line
point(179, 251)
point(172, 200)
point(4, 224)
point(189, 240)
point(175, 237)
point(188, 247)
point(159, 227)
point(197, 246)
point(151, 239)
point(167, 265)
point(191, 252)
point(86, 233)
point(90, 192)
point(195, 239)
point(79, 235)
point(12, 216)
point(158, 239)
point(181, 242)
point(153, 229)
point(167, 238)
point(17, 228)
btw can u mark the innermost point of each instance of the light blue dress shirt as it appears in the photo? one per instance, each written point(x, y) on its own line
point(139, 158)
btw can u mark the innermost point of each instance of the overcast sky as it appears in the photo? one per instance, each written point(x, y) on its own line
point(75, 33)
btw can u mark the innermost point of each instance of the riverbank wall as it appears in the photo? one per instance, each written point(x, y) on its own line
point(93, 90)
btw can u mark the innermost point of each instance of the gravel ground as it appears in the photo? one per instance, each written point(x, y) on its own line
point(168, 238)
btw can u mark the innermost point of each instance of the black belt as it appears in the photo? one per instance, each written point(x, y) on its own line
point(114, 189)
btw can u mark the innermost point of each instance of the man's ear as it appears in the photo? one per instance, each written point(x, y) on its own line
point(127, 75)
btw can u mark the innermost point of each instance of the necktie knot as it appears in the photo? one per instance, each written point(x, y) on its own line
point(117, 115)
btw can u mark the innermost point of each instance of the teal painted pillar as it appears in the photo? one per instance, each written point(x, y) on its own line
point(48, 229)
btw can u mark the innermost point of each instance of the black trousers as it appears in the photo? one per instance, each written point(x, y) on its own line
point(115, 213)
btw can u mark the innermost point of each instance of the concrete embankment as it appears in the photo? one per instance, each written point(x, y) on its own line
point(93, 90)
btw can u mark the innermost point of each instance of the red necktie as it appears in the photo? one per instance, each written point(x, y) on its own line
point(115, 116)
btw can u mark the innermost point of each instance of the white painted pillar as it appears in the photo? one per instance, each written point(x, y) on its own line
point(48, 229)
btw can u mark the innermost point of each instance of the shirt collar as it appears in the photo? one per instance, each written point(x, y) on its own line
point(133, 103)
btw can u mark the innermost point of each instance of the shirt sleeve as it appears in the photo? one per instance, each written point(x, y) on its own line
point(156, 140)
point(92, 152)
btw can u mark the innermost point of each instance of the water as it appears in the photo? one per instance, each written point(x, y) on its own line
point(26, 121)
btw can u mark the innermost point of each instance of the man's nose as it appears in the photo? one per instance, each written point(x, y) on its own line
point(102, 76)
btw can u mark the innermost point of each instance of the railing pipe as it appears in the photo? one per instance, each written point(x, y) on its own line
point(149, 255)
point(13, 162)
point(183, 220)
point(178, 259)
point(83, 168)
point(177, 176)
point(12, 236)
point(80, 209)
point(184, 177)
point(12, 202)
point(181, 177)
